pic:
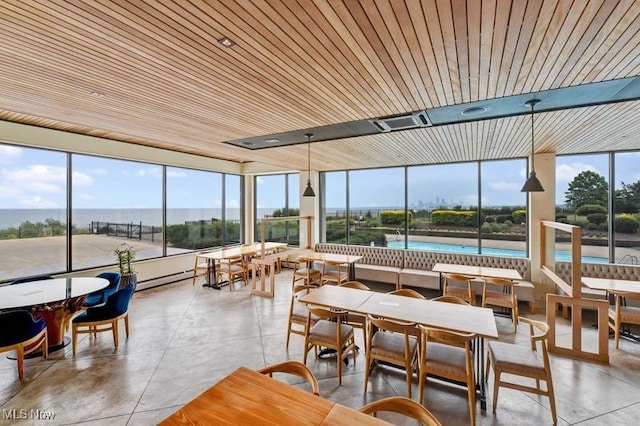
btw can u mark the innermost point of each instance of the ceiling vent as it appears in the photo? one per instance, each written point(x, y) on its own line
point(402, 122)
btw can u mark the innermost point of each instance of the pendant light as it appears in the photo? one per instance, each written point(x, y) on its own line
point(308, 192)
point(533, 183)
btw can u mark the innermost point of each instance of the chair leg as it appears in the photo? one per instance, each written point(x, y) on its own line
point(471, 391)
point(496, 386)
point(20, 358)
point(114, 329)
point(126, 324)
point(74, 337)
point(44, 347)
point(552, 399)
point(616, 330)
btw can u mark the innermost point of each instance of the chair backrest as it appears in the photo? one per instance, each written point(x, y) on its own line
point(325, 313)
point(34, 278)
point(296, 368)
point(405, 328)
point(407, 292)
point(450, 299)
point(18, 326)
point(402, 405)
point(118, 302)
point(538, 331)
point(114, 281)
point(457, 278)
point(501, 282)
point(452, 338)
point(354, 284)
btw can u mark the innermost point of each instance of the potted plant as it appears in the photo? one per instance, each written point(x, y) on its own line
point(124, 256)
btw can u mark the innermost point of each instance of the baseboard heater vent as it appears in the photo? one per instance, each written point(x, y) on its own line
point(163, 280)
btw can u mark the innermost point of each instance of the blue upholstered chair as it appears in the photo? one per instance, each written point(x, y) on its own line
point(107, 315)
point(100, 297)
point(35, 278)
point(21, 333)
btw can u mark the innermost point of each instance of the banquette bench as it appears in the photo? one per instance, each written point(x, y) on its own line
point(414, 267)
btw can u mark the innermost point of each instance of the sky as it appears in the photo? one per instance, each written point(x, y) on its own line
point(34, 178)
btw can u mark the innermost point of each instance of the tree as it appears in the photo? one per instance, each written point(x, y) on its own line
point(628, 198)
point(586, 188)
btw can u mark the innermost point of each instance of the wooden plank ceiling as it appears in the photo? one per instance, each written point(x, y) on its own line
point(153, 73)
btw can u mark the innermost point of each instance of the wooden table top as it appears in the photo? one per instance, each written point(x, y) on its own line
point(447, 316)
point(477, 271)
point(248, 397)
point(332, 296)
point(332, 257)
point(612, 285)
point(238, 251)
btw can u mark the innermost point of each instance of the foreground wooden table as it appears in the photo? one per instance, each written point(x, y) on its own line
point(246, 397)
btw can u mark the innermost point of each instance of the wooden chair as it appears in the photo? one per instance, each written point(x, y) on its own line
point(329, 332)
point(450, 299)
point(200, 267)
point(407, 292)
point(107, 315)
point(502, 295)
point(518, 360)
point(233, 267)
point(460, 286)
point(303, 270)
point(298, 312)
point(297, 369)
point(448, 355)
point(334, 272)
point(393, 342)
point(23, 334)
point(401, 405)
point(353, 319)
point(621, 314)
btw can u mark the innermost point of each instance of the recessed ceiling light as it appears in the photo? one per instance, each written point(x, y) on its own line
point(272, 140)
point(98, 94)
point(474, 110)
point(226, 42)
point(247, 143)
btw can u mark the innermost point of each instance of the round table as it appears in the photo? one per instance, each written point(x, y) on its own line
point(56, 300)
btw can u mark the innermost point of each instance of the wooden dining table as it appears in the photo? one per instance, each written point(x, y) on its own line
point(246, 397)
point(349, 260)
point(476, 271)
point(446, 316)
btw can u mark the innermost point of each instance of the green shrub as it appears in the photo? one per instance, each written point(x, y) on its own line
point(485, 229)
point(490, 219)
point(592, 226)
point(626, 224)
point(588, 209)
point(597, 218)
point(495, 227)
point(560, 216)
point(454, 218)
point(502, 218)
point(365, 238)
point(519, 216)
point(507, 223)
point(393, 217)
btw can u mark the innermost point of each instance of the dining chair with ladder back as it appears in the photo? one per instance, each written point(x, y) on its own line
point(407, 292)
point(298, 311)
point(104, 317)
point(21, 333)
point(392, 342)
point(517, 360)
point(401, 405)
point(233, 268)
point(500, 292)
point(295, 368)
point(303, 270)
point(329, 332)
point(334, 273)
point(201, 266)
point(620, 314)
point(354, 319)
point(459, 285)
point(448, 355)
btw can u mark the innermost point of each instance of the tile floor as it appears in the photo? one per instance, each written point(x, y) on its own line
point(185, 338)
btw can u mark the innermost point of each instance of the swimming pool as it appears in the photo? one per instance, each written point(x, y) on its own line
point(455, 248)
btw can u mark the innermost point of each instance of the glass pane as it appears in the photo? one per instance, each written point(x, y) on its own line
point(194, 214)
point(293, 201)
point(115, 202)
point(334, 207)
point(33, 214)
point(627, 208)
point(582, 194)
point(444, 204)
point(376, 200)
point(504, 228)
point(232, 202)
point(271, 201)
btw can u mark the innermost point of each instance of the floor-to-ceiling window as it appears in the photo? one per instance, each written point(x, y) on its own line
point(33, 205)
point(334, 208)
point(233, 209)
point(277, 196)
point(626, 222)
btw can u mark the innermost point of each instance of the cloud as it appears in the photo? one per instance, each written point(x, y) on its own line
point(505, 186)
point(88, 197)
point(81, 179)
point(173, 173)
point(9, 154)
point(153, 172)
point(27, 187)
point(37, 202)
point(567, 172)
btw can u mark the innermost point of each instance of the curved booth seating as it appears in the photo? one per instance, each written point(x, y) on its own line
point(100, 297)
point(116, 308)
point(29, 279)
point(20, 332)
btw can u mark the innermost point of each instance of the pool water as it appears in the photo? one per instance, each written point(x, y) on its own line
point(455, 248)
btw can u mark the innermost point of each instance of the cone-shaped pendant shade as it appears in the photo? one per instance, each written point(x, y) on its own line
point(308, 192)
point(533, 183)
